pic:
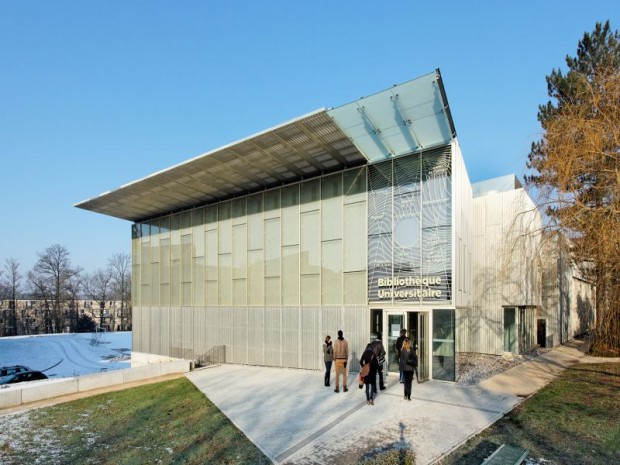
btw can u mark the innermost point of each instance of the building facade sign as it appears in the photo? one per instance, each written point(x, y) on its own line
point(410, 228)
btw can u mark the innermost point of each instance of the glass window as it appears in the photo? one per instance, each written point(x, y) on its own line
point(271, 205)
point(198, 232)
point(255, 222)
point(240, 292)
point(354, 185)
point(355, 240)
point(331, 207)
point(310, 195)
point(444, 360)
point(355, 288)
point(212, 254)
point(290, 275)
point(240, 251)
point(310, 243)
point(272, 247)
point(311, 289)
point(175, 283)
point(290, 215)
point(238, 210)
point(155, 284)
point(212, 293)
point(255, 277)
point(225, 279)
point(272, 291)
point(199, 281)
point(186, 258)
point(331, 273)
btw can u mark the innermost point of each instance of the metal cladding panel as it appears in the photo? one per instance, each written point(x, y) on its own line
point(164, 325)
point(356, 328)
point(256, 336)
point(239, 347)
point(290, 337)
point(199, 335)
point(146, 328)
point(273, 356)
point(405, 118)
point(187, 335)
point(331, 321)
point(227, 331)
point(154, 332)
point(311, 338)
point(214, 326)
point(137, 330)
point(463, 230)
point(479, 330)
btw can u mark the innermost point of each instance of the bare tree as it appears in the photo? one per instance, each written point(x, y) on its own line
point(74, 286)
point(120, 264)
point(98, 286)
point(12, 288)
point(50, 277)
point(576, 170)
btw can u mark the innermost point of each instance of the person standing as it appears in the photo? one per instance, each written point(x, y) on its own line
point(341, 355)
point(328, 357)
point(369, 359)
point(405, 367)
point(379, 350)
point(398, 346)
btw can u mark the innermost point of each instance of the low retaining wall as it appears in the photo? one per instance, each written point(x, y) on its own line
point(23, 393)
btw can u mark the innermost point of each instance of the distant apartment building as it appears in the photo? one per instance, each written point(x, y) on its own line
point(361, 218)
point(29, 316)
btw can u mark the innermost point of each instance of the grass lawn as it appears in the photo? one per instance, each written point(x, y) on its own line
point(164, 423)
point(574, 420)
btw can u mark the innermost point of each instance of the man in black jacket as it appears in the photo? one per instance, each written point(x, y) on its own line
point(379, 350)
point(399, 346)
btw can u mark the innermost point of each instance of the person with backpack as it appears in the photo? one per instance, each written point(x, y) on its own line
point(405, 364)
point(368, 373)
point(379, 350)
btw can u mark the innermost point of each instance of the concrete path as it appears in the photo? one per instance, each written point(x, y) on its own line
point(294, 419)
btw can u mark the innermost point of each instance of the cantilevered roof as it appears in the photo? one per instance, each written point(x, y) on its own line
point(405, 118)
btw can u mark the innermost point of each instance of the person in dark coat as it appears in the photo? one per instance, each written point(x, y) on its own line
point(369, 359)
point(398, 346)
point(328, 357)
point(405, 365)
point(379, 350)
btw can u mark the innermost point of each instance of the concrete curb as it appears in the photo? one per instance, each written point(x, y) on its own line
point(34, 391)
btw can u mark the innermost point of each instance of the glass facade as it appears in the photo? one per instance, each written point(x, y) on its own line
point(299, 245)
point(410, 229)
point(444, 355)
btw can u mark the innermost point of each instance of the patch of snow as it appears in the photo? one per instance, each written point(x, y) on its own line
point(68, 355)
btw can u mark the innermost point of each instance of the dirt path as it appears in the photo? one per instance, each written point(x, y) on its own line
point(81, 395)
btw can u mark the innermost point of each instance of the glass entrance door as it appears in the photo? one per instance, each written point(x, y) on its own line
point(423, 371)
point(396, 322)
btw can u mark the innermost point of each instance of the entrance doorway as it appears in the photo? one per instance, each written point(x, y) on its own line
point(417, 326)
point(541, 333)
point(396, 323)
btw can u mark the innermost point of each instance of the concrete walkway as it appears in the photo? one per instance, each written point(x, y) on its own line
point(294, 419)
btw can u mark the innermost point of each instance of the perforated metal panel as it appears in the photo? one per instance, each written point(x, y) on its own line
point(305, 147)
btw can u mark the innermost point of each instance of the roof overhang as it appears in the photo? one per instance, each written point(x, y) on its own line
point(406, 118)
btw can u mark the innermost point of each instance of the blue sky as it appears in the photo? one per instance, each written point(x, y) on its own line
point(96, 94)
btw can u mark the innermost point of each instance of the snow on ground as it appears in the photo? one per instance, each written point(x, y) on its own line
point(66, 355)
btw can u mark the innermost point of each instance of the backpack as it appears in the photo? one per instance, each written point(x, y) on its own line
point(379, 351)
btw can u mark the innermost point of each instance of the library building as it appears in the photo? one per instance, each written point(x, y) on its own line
point(359, 218)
